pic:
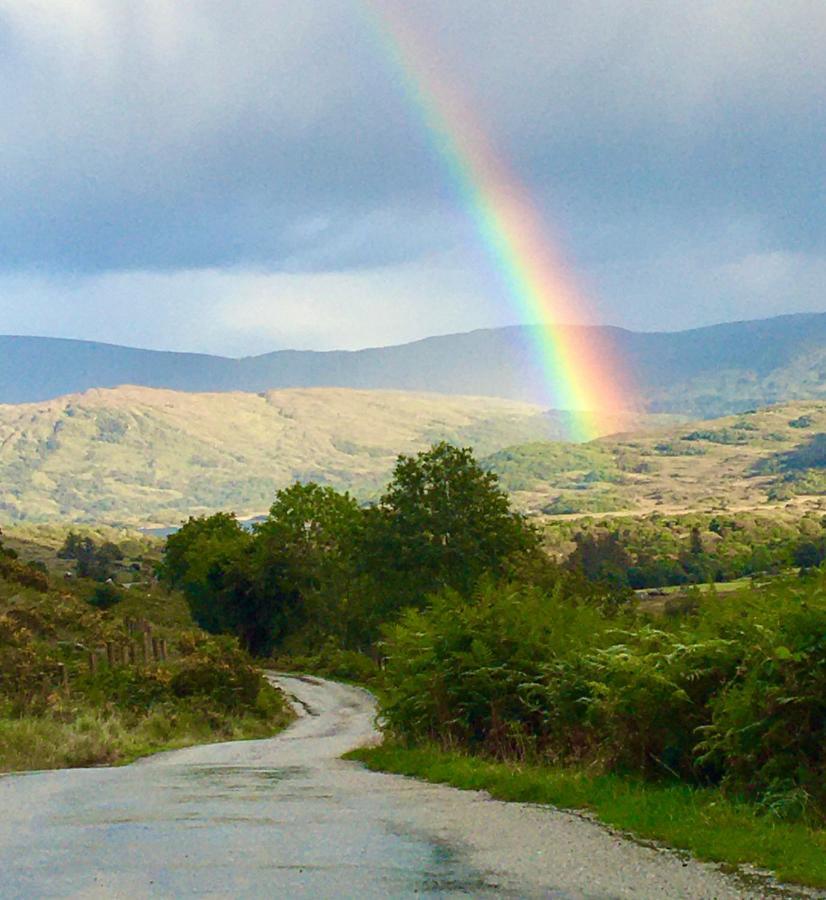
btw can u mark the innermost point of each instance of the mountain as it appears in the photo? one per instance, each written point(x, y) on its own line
point(136, 455)
point(703, 372)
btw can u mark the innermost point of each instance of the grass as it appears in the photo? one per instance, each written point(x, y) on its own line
point(719, 587)
point(94, 736)
point(701, 821)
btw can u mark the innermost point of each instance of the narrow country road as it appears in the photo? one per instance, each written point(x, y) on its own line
point(287, 818)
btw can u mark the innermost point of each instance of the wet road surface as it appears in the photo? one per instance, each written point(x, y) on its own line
point(287, 818)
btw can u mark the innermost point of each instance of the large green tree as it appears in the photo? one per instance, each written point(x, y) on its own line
point(443, 522)
point(292, 574)
point(206, 559)
point(304, 552)
point(320, 567)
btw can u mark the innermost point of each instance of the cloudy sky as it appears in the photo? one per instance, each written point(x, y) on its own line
point(240, 177)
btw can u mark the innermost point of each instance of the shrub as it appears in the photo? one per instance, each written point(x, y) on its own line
point(334, 662)
point(734, 693)
point(494, 672)
point(768, 727)
point(219, 673)
point(105, 596)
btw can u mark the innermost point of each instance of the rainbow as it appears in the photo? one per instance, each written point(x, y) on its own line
point(581, 374)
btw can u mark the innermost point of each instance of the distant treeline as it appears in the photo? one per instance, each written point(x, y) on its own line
point(659, 551)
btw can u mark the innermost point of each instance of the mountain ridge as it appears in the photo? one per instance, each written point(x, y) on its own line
point(707, 371)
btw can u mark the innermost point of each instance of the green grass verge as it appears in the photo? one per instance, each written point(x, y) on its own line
point(700, 821)
point(111, 736)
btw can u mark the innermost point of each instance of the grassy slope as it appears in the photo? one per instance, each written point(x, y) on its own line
point(136, 455)
point(702, 822)
point(94, 737)
point(114, 717)
point(738, 462)
point(141, 456)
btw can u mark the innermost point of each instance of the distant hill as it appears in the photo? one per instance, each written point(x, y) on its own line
point(703, 372)
point(144, 456)
point(137, 455)
point(773, 457)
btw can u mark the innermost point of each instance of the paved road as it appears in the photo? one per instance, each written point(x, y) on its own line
point(286, 818)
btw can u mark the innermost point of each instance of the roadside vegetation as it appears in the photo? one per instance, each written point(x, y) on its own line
point(94, 672)
point(701, 821)
point(733, 695)
point(541, 676)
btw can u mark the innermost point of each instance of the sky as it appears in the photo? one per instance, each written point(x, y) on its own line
point(241, 177)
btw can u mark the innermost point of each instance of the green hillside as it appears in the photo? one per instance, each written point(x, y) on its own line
point(756, 459)
point(139, 456)
point(143, 456)
point(96, 673)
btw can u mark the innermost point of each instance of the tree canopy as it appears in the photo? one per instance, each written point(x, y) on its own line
point(320, 566)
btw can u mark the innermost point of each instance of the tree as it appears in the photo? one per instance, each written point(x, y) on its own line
point(601, 557)
point(105, 596)
point(695, 562)
point(204, 559)
point(808, 554)
point(305, 555)
point(197, 544)
point(696, 548)
point(91, 561)
point(443, 522)
point(291, 571)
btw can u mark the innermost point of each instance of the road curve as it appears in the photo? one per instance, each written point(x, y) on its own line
point(286, 817)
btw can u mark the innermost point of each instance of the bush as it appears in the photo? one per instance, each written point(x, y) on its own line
point(219, 673)
point(334, 662)
point(11, 569)
point(768, 727)
point(733, 694)
point(105, 596)
point(500, 672)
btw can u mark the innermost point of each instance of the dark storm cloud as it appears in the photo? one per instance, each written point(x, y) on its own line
point(663, 141)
